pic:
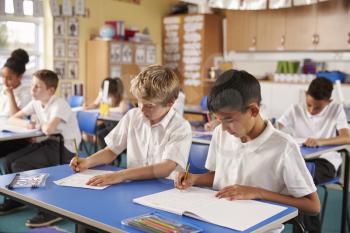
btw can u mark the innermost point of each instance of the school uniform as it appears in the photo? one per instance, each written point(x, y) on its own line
point(46, 153)
point(147, 144)
point(179, 104)
point(272, 161)
point(301, 124)
point(22, 96)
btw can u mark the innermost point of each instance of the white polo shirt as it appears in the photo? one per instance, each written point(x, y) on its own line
point(57, 107)
point(271, 161)
point(148, 144)
point(301, 124)
point(22, 97)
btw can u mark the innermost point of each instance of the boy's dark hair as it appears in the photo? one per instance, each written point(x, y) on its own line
point(116, 88)
point(320, 89)
point(234, 89)
point(49, 77)
point(17, 62)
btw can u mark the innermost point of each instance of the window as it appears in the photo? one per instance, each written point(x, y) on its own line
point(24, 32)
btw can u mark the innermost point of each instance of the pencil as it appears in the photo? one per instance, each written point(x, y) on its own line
point(76, 151)
point(186, 173)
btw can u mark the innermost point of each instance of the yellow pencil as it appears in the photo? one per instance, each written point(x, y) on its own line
point(186, 173)
point(76, 151)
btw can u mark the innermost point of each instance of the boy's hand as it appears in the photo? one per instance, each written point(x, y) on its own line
point(182, 183)
point(79, 165)
point(106, 179)
point(312, 142)
point(239, 192)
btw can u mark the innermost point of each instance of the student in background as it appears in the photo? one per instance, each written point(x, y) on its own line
point(318, 122)
point(54, 115)
point(116, 104)
point(248, 158)
point(14, 95)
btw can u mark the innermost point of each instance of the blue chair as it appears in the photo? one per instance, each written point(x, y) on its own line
point(75, 101)
point(197, 158)
point(204, 103)
point(87, 124)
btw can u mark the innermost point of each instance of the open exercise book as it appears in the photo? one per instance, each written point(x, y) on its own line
point(202, 204)
point(80, 179)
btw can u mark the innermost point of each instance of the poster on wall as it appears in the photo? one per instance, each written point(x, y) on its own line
point(73, 48)
point(116, 53)
point(67, 8)
point(79, 7)
point(55, 9)
point(126, 54)
point(18, 7)
point(73, 27)
point(38, 8)
point(59, 48)
point(59, 68)
point(116, 71)
point(140, 55)
point(66, 89)
point(59, 28)
point(151, 55)
point(72, 70)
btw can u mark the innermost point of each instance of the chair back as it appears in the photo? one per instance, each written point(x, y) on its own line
point(204, 104)
point(311, 167)
point(198, 157)
point(87, 121)
point(75, 101)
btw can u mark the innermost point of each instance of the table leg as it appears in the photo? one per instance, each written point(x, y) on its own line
point(345, 191)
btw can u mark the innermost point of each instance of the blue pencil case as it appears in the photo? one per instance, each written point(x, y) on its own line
point(156, 223)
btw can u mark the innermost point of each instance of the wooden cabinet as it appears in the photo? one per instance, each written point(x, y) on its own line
point(190, 44)
point(323, 26)
point(241, 30)
point(115, 59)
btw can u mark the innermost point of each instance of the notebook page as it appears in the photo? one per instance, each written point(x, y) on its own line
point(80, 179)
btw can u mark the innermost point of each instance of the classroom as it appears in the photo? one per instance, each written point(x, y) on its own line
point(174, 116)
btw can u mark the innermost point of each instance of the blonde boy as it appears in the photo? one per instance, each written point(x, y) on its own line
point(157, 139)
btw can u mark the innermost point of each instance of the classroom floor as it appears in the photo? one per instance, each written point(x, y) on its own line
point(14, 223)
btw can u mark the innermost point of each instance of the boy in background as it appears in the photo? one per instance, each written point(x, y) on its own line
point(248, 158)
point(318, 122)
point(54, 116)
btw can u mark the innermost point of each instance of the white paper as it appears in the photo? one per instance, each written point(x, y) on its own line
point(73, 27)
point(151, 55)
point(60, 69)
point(202, 204)
point(16, 129)
point(72, 70)
point(126, 54)
point(105, 91)
point(140, 55)
point(116, 53)
point(80, 179)
point(171, 20)
point(116, 71)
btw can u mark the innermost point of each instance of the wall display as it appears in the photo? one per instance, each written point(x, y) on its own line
point(172, 53)
point(73, 48)
point(18, 8)
point(72, 70)
point(116, 71)
point(140, 55)
point(66, 89)
point(151, 55)
point(126, 54)
point(116, 53)
point(59, 48)
point(67, 8)
point(59, 27)
point(73, 27)
point(59, 67)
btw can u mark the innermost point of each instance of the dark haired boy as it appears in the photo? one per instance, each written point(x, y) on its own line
point(318, 122)
point(248, 158)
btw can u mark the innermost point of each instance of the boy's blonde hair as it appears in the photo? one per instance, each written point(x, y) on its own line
point(157, 84)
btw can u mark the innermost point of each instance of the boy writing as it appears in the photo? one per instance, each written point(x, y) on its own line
point(53, 115)
point(157, 138)
point(318, 122)
point(248, 158)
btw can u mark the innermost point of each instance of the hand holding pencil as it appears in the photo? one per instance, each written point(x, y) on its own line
point(184, 180)
point(78, 164)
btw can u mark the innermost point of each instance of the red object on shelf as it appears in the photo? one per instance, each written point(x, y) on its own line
point(130, 33)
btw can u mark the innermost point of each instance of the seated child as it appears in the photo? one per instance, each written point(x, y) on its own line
point(115, 102)
point(318, 122)
point(157, 138)
point(248, 158)
point(14, 95)
point(54, 115)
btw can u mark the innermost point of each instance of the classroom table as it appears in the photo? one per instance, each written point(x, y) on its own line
point(310, 153)
point(201, 136)
point(195, 109)
point(105, 209)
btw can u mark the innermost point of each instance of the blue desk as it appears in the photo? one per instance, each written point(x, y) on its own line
point(310, 153)
point(104, 209)
point(7, 136)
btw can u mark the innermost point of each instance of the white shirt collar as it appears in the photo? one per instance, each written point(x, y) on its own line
point(261, 139)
